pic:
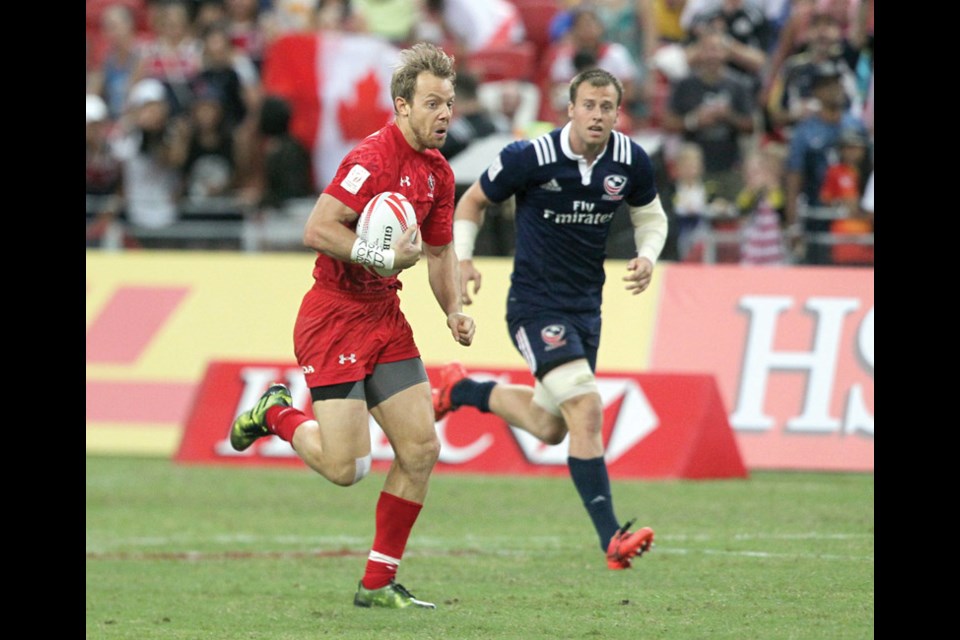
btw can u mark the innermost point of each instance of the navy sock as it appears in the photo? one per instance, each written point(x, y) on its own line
point(472, 394)
point(593, 483)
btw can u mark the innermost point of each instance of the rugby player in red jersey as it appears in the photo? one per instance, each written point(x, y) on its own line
point(356, 349)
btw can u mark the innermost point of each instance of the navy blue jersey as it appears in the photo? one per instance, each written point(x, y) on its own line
point(563, 216)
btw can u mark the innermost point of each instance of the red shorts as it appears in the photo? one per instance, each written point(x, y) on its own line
point(340, 338)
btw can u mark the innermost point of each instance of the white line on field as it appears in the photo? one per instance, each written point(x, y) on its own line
point(427, 545)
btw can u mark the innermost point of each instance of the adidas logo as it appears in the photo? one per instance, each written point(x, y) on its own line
point(550, 186)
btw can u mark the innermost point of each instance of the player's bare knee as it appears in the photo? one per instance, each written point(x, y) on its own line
point(419, 456)
point(552, 429)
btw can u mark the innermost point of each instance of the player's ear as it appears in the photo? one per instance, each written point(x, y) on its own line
point(401, 106)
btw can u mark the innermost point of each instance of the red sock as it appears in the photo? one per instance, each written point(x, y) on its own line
point(395, 518)
point(283, 421)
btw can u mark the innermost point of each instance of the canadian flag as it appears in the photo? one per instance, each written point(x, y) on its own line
point(338, 87)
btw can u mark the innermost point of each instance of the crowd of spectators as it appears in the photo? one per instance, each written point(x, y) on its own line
point(758, 114)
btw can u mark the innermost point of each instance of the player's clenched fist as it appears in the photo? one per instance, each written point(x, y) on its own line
point(462, 327)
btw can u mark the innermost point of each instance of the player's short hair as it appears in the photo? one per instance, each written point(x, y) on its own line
point(596, 78)
point(420, 57)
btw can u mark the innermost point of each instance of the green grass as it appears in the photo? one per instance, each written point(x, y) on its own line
point(198, 552)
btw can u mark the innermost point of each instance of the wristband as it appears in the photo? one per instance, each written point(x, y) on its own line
point(372, 256)
point(464, 238)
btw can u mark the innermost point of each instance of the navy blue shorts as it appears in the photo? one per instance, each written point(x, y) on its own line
point(549, 339)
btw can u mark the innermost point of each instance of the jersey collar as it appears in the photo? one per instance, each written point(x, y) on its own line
point(586, 170)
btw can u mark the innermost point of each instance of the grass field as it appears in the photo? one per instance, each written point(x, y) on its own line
point(200, 553)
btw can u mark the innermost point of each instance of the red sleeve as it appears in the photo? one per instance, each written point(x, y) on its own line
point(364, 173)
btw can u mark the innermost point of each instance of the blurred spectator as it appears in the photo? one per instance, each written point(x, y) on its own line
point(586, 42)
point(667, 14)
point(855, 18)
point(219, 73)
point(632, 23)
point(761, 205)
point(287, 163)
point(517, 101)
point(825, 54)
point(713, 108)
point(747, 31)
point(247, 32)
point(207, 13)
point(236, 80)
point(210, 169)
point(465, 27)
point(690, 198)
point(471, 120)
point(288, 16)
point(174, 56)
point(392, 20)
point(104, 173)
point(151, 145)
point(110, 78)
point(841, 190)
point(813, 148)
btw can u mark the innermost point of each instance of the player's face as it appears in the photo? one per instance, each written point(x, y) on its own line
point(428, 115)
point(593, 116)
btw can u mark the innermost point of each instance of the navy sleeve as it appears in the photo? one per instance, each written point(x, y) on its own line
point(507, 174)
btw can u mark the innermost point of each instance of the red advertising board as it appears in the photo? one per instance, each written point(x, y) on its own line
point(655, 426)
point(792, 352)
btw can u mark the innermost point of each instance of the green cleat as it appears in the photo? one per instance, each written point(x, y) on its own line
point(392, 596)
point(252, 424)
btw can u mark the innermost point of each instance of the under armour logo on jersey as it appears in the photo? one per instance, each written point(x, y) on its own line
point(553, 185)
point(309, 369)
point(352, 358)
point(404, 181)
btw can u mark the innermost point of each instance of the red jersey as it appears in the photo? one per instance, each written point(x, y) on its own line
point(385, 161)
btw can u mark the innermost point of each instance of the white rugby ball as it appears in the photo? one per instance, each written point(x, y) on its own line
point(382, 222)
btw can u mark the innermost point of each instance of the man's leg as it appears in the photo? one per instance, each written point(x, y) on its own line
point(406, 418)
point(566, 400)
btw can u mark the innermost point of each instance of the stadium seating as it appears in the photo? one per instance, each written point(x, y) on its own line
point(537, 16)
point(507, 62)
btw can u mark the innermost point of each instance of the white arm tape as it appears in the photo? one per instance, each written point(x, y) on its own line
point(649, 229)
point(464, 238)
point(371, 256)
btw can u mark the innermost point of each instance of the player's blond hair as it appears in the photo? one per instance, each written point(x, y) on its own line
point(595, 77)
point(415, 60)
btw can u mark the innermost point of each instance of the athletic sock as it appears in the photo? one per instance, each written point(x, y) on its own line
point(472, 394)
point(283, 421)
point(395, 519)
point(593, 483)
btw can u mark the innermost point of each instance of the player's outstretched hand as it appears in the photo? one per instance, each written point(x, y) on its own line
point(407, 249)
point(462, 327)
point(468, 274)
point(639, 275)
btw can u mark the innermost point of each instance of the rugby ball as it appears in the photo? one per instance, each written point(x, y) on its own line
point(382, 222)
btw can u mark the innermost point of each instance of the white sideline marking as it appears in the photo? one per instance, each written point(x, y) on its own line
point(425, 545)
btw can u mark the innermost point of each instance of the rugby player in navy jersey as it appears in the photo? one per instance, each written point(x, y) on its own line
point(568, 183)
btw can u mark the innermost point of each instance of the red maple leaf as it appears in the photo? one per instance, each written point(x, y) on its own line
point(363, 116)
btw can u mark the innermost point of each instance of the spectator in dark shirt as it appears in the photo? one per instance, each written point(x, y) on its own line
point(471, 121)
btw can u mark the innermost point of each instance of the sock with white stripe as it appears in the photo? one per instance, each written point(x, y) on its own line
point(395, 519)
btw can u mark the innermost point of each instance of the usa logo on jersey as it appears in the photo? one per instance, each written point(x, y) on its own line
point(552, 336)
point(613, 185)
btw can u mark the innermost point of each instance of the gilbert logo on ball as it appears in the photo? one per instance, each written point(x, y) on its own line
point(384, 219)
